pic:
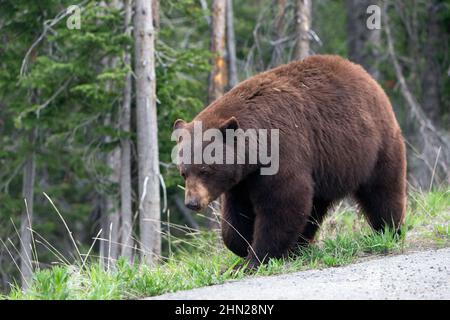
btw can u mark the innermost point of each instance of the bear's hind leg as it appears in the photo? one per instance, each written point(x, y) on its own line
point(383, 198)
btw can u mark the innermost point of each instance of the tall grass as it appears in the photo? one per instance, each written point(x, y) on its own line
point(200, 259)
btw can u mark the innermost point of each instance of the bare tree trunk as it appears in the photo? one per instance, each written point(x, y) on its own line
point(155, 13)
point(231, 46)
point(363, 44)
point(125, 148)
point(26, 221)
point(278, 28)
point(204, 6)
point(110, 219)
point(110, 209)
point(103, 224)
point(218, 76)
point(432, 73)
point(436, 144)
point(112, 206)
point(147, 129)
point(302, 28)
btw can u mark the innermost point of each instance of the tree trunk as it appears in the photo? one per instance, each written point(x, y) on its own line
point(278, 32)
point(432, 73)
point(231, 46)
point(26, 221)
point(204, 6)
point(103, 225)
point(147, 138)
point(302, 27)
point(363, 44)
point(110, 219)
point(218, 76)
point(112, 206)
point(125, 149)
point(155, 13)
point(435, 147)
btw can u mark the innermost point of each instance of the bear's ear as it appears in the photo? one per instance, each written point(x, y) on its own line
point(231, 123)
point(178, 124)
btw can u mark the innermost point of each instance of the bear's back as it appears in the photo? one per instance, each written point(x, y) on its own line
point(332, 116)
point(319, 83)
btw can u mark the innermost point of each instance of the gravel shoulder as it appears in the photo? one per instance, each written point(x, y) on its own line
point(419, 275)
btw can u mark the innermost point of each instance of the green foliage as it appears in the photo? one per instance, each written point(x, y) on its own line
point(71, 92)
point(329, 22)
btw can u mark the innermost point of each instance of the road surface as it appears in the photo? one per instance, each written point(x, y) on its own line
point(420, 275)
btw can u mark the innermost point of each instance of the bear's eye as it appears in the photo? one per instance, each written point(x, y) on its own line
point(204, 172)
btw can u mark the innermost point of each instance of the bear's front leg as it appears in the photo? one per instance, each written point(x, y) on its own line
point(281, 214)
point(237, 221)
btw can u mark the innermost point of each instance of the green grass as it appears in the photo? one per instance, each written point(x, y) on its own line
point(344, 238)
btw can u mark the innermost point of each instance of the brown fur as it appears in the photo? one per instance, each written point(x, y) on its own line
point(338, 137)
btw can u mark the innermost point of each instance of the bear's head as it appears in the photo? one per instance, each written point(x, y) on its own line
point(200, 155)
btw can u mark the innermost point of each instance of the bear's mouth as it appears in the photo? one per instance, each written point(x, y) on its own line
point(197, 204)
point(194, 206)
point(197, 196)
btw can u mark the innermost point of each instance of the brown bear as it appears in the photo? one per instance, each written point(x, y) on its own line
point(338, 136)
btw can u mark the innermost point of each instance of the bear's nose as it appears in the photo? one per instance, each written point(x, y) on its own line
point(192, 204)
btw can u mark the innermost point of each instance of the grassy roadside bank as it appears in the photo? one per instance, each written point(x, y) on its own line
point(344, 238)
